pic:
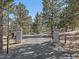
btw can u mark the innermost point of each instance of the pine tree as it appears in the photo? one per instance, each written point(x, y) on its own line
point(3, 4)
point(22, 19)
point(51, 10)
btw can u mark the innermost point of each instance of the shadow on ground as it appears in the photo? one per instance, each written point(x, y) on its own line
point(45, 50)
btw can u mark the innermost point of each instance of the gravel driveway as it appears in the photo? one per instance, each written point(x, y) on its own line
point(38, 48)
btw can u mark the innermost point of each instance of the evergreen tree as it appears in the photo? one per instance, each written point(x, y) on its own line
point(3, 4)
point(22, 18)
point(38, 22)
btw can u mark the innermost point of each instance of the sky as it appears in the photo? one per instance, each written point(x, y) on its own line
point(33, 6)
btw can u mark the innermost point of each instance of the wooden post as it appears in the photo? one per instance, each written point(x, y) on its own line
point(65, 35)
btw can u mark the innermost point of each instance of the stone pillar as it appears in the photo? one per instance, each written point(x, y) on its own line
point(56, 36)
point(18, 36)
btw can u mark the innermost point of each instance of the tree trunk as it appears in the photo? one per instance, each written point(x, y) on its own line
point(52, 32)
point(65, 35)
point(73, 27)
point(1, 30)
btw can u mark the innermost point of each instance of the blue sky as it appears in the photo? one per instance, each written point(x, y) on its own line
point(33, 6)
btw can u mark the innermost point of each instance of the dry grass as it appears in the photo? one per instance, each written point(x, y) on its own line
point(71, 43)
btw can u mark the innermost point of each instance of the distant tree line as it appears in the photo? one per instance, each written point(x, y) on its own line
point(57, 14)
